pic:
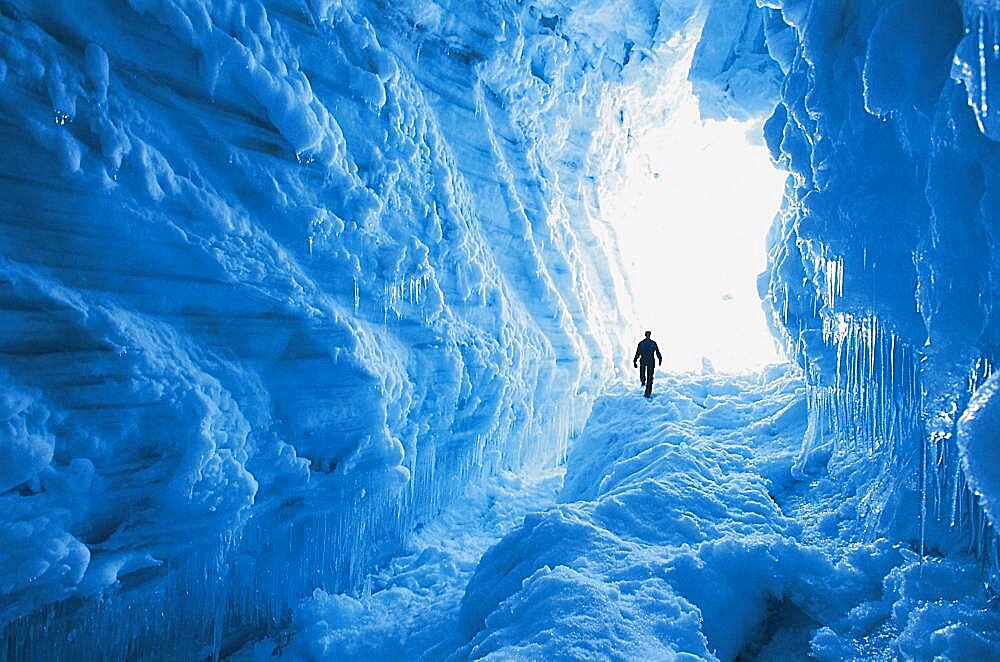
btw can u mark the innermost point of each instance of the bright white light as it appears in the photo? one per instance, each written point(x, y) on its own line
point(692, 218)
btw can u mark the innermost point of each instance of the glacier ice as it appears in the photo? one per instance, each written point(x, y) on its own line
point(880, 260)
point(277, 277)
point(280, 280)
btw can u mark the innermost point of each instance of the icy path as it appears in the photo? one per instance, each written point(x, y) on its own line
point(679, 533)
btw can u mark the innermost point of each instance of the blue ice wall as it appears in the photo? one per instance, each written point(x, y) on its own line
point(277, 279)
point(883, 260)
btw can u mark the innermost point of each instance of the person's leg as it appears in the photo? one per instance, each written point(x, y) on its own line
point(649, 381)
point(642, 374)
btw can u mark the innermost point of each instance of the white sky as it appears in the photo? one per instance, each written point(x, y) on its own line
point(692, 219)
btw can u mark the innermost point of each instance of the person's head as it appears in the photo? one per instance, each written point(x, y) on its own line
point(649, 333)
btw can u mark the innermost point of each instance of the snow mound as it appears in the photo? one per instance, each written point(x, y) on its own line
point(681, 534)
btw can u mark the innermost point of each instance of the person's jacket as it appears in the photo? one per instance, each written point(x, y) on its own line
point(646, 350)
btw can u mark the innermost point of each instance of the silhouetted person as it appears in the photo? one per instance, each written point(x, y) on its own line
point(643, 360)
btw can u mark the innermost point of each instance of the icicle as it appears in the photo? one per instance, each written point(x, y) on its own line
point(784, 314)
point(923, 496)
point(840, 277)
point(984, 107)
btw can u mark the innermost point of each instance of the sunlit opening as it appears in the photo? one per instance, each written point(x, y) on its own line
point(692, 217)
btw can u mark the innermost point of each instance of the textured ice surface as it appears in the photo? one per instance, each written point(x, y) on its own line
point(978, 431)
point(883, 260)
point(410, 608)
point(278, 279)
point(680, 534)
point(733, 72)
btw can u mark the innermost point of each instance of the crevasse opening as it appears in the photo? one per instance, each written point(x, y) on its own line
point(692, 214)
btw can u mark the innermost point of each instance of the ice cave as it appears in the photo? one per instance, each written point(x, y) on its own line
point(318, 321)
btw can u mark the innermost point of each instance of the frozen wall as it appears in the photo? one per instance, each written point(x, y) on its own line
point(883, 261)
point(277, 279)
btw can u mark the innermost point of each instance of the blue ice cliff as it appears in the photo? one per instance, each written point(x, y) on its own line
point(301, 297)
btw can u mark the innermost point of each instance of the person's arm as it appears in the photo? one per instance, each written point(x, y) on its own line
point(636, 357)
point(658, 355)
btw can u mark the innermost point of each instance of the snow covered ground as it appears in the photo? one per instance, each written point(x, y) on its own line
point(679, 532)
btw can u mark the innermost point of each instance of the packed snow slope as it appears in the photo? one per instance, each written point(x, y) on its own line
point(680, 533)
point(683, 533)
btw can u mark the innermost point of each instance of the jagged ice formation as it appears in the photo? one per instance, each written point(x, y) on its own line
point(278, 279)
point(283, 277)
point(882, 259)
